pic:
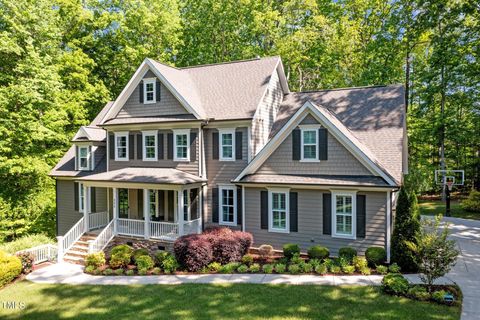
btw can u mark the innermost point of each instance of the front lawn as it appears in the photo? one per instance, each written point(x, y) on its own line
point(201, 301)
point(434, 207)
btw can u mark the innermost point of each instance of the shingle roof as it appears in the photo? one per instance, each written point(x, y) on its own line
point(327, 180)
point(132, 120)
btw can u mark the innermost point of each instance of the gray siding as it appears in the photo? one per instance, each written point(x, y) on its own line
point(168, 104)
point(190, 167)
point(340, 160)
point(221, 172)
point(310, 223)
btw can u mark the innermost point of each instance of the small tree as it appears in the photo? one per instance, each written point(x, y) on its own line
point(405, 229)
point(436, 254)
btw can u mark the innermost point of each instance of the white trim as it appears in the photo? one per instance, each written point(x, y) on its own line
point(220, 205)
point(144, 147)
point(181, 132)
point(152, 81)
point(286, 192)
point(220, 144)
point(389, 217)
point(249, 144)
point(119, 135)
point(304, 128)
point(352, 194)
point(89, 155)
point(243, 209)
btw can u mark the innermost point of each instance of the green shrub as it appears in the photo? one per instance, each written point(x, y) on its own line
point(438, 296)
point(307, 268)
point(318, 252)
point(314, 263)
point(418, 293)
point(247, 259)
point(394, 268)
point(335, 269)
point(142, 272)
point(328, 263)
point(343, 262)
point(289, 249)
point(139, 252)
point(95, 259)
point(108, 272)
point(229, 267)
point(122, 248)
point(120, 256)
point(394, 283)
point(10, 268)
point(296, 259)
point(347, 253)
point(130, 272)
point(321, 269)
point(254, 268)
point(144, 262)
point(348, 269)
point(156, 271)
point(242, 268)
point(119, 272)
point(97, 271)
point(214, 266)
point(25, 242)
point(382, 269)
point(280, 267)
point(375, 256)
point(160, 256)
point(90, 269)
point(366, 271)
point(359, 263)
point(294, 268)
point(170, 264)
point(472, 203)
point(267, 268)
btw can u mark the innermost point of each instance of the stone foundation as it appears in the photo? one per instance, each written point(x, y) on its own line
point(136, 243)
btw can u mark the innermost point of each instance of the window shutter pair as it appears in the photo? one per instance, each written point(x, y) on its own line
point(76, 196)
point(322, 144)
point(293, 199)
point(157, 90)
point(238, 145)
point(361, 214)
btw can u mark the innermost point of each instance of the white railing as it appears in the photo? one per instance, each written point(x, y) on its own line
point(163, 230)
point(192, 226)
point(130, 227)
point(97, 220)
point(103, 238)
point(42, 253)
point(72, 236)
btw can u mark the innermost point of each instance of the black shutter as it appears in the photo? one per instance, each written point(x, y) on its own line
point(215, 205)
point(293, 211)
point(160, 146)
point(170, 146)
point(140, 91)
point(264, 209)
point(327, 213)
point(361, 215)
point(158, 90)
point(90, 152)
point(140, 202)
point(139, 146)
point(296, 144)
point(131, 145)
point(322, 144)
point(75, 195)
point(111, 145)
point(93, 199)
point(238, 145)
point(193, 149)
point(77, 158)
point(239, 205)
point(215, 145)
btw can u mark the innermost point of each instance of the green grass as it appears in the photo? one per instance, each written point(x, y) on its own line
point(201, 301)
point(434, 207)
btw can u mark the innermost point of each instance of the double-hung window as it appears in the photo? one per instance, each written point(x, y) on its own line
point(149, 145)
point(309, 140)
point(153, 203)
point(227, 145)
point(149, 94)
point(227, 205)
point(278, 210)
point(186, 205)
point(83, 158)
point(121, 146)
point(182, 145)
point(344, 214)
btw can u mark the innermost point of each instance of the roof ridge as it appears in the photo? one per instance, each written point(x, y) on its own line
point(227, 62)
point(351, 88)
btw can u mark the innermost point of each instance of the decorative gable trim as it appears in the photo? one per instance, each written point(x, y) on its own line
point(327, 120)
point(82, 133)
point(133, 83)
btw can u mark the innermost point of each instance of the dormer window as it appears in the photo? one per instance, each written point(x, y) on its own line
point(83, 156)
point(149, 90)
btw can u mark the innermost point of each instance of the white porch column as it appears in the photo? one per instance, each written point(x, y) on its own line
point(86, 206)
point(180, 212)
point(146, 212)
point(60, 252)
point(115, 209)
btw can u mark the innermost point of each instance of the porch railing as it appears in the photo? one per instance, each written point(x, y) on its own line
point(130, 227)
point(72, 236)
point(42, 253)
point(192, 226)
point(97, 220)
point(103, 238)
point(162, 230)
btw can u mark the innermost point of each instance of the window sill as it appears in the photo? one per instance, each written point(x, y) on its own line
point(230, 224)
point(278, 230)
point(310, 160)
point(344, 236)
point(150, 160)
point(149, 102)
point(181, 160)
point(227, 160)
point(121, 159)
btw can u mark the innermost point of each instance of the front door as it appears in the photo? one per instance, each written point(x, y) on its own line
point(123, 203)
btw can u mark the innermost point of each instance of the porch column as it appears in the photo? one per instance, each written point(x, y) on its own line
point(180, 212)
point(115, 209)
point(146, 212)
point(86, 206)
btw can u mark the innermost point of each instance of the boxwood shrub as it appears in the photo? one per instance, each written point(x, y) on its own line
point(120, 256)
point(10, 268)
point(290, 249)
point(144, 262)
point(139, 252)
point(95, 259)
point(347, 253)
point(318, 252)
point(376, 256)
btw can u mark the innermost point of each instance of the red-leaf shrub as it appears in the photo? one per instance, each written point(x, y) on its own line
point(199, 254)
point(227, 249)
point(245, 239)
point(180, 248)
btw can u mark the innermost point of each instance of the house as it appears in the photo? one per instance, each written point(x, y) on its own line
point(181, 149)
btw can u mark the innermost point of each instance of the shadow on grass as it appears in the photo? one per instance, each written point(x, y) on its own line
point(195, 301)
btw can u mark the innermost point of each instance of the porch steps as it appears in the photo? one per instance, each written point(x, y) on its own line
point(79, 250)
